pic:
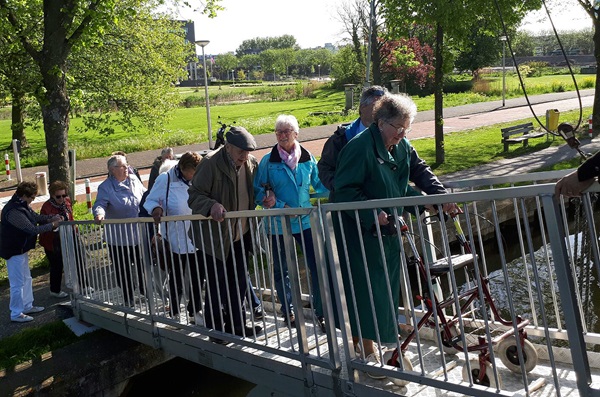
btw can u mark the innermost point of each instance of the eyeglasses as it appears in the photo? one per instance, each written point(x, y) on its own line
point(400, 130)
point(61, 196)
point(284, 132)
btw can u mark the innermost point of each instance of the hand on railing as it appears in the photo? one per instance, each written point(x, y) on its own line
point(571, 186)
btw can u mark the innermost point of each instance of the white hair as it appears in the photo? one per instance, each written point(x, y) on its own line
point(287, 120)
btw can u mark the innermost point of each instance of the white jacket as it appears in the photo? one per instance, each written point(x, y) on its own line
point(177, 232)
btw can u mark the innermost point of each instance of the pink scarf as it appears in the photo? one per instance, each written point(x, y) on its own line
point(290, 159)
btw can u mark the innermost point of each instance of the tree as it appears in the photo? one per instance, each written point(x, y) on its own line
point(226, 62)
point(409, 61)
point(346, 69)
point(260, 44)
point(451, 23)
point(484, 51)
point(49, 31)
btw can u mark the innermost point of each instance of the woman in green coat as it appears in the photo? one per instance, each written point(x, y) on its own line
point(376, 164)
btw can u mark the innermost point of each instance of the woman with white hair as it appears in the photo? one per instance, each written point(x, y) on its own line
point(283, 180)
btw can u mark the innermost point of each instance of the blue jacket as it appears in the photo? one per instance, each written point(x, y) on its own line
point(291, 188)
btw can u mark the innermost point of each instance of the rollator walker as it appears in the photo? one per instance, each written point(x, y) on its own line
point(452, 342)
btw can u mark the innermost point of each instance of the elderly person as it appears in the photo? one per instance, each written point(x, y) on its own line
point(58, 204)
point(165, 154)
point(20, 227)
point(119, 197)
point(224, 182)
point(345, 133)
point(377, 164)
point(283, 180)
point(169, 197)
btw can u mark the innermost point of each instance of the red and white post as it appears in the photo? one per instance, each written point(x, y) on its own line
point(591, 127)
point(88, 195)
point(7, 165)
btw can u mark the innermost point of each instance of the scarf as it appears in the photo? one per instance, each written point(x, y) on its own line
point(63, 209)
point(179, 175)
point(290, 159)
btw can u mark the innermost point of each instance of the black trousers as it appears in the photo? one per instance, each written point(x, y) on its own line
point(183, 263)
point(227, 286)
point(56, 269)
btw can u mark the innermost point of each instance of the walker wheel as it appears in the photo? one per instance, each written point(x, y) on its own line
point(446, 344)
point(488, 379)
point(509, 354)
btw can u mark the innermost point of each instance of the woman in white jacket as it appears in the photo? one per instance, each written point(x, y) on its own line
point(169, 197)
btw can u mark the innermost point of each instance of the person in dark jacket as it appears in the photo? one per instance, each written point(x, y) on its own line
point(165, 154)
point(345, 132)
point(58, 204)
point(19, 229)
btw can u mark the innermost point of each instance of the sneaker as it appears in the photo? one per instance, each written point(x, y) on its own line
point(258, 312)
point(290, 319)
point(374, 358)
point(34, 309)
point(21, 318)
point(321, 323)
point(198, 319)
point(60, 294)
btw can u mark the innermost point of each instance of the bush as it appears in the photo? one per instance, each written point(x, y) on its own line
point(452, 86)
point(588, 83)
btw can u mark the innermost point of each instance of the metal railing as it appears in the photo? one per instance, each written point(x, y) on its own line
point(534, 253)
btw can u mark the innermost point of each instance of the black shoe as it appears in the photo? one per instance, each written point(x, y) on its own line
point(217, 341)
point(290, 319)
point(248, 331)
point(321, 322)
point(258, 312)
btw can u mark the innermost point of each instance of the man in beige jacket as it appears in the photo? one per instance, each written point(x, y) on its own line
point(223, 182)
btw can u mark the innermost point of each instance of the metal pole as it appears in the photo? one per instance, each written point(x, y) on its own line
point(210, 145)
point(368, 76)
point(503, 70)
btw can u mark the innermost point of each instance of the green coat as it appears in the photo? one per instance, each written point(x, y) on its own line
point(366, 171)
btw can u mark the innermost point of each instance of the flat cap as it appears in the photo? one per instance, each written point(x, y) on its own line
point(241, 138)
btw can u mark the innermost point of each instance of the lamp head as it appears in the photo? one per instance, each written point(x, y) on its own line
point(202, 43)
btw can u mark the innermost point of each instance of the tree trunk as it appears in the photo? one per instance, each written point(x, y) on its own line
point(18, 119)
point(438, 97)
point(375, 56)
point(596, 107)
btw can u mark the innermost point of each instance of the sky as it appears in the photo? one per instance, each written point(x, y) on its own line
point(313, 22)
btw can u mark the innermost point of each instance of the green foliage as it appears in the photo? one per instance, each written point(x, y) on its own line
point(346, 69)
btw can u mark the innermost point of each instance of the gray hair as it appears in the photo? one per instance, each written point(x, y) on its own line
point(114, 160)
point(167, 165)
point(371, 94)
point(166, 151)
point(392, 106)
point(287, 120)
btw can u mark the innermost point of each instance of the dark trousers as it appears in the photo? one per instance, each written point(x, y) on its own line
point(56, 269)
point(227, 285)
point(125, 258)
point(182, 264)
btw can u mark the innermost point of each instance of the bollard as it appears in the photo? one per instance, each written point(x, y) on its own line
point(42, 185)
point(7, 165)
point(591, 126)
point(349, 90)
point(88, 195)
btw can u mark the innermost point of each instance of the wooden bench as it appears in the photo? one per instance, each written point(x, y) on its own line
point(525, 132)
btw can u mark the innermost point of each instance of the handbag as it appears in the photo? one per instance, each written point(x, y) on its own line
point(160, 247)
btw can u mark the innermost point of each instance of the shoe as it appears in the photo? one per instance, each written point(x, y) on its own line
point(290, 318)
point(321, 322)
point(373, 358)
point(60, 294)
point(198, 319)
point(34, 309)
point(21, 318)
point(258, 312)
point(249, 332)
point(217, 341)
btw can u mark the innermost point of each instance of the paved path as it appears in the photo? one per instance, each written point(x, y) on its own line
point(458, 118)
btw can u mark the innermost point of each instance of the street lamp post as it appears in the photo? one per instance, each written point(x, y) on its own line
point(503, 40)
point(232, 76)
point(319, 65)
point(204, 43)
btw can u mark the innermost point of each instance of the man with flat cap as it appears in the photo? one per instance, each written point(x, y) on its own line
point(224, 182)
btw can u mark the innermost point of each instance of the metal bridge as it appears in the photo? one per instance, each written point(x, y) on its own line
point(535, 253)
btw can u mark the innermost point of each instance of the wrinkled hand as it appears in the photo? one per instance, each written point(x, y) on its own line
point(157, 214)
point(99, 218)
point(217, 212)
point(571, 186)
point(451, 209)
point(269, 200)
point(382, 218)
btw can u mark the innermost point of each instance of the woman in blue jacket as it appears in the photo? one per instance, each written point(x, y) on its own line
point(283, 180)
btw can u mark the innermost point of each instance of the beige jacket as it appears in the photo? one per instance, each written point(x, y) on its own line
point(215, 181)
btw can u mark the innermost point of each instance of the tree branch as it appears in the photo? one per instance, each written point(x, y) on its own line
point(14, 22)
